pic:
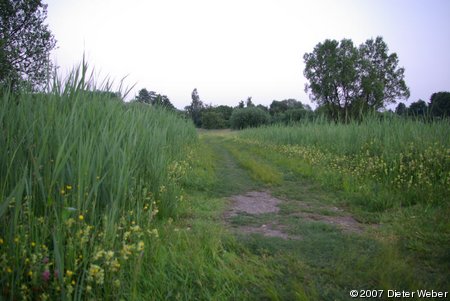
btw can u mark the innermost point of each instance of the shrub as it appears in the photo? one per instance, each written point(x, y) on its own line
point(213, 120)
point(248, 117)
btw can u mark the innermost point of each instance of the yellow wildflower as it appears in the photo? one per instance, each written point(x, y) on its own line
point(141, 246)
point(81, 217)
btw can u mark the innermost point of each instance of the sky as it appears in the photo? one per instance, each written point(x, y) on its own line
point(233, 49)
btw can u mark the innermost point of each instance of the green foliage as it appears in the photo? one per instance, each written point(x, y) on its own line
point(401, 109)
point(349, 82)
point(248, 117)
point(418, 109)
point(83, 180)
point(194, 110)
point(25, 44)
point(278, 107)
point(213, 120)
point(216, 117)
point(440, 104)
point(395, 172)
point(403, 160)
point(144, 96)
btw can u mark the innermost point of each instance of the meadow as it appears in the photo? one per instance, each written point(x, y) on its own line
point(104, 200)
point(392, 173)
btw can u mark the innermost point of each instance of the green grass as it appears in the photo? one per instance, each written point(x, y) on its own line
point(342, 161)
point(82, 180)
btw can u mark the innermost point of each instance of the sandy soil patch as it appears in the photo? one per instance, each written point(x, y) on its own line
point(260, 202)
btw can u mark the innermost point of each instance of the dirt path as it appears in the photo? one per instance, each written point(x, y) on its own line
point(253, 208)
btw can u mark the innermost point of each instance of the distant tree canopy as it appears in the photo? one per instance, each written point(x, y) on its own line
point(248, 117)
point(277, 107)
point(440, 104)
point(439, 107)
point(349, 81)
point(25, 44)
point(194, 110)
point(154, 99)
point(401, 109)
point(289, 111)
point(418, 108)
point(249, 102)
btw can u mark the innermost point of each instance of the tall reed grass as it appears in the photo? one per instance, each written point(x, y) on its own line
point(395, 171)
point(405, 156)
point(82, 178)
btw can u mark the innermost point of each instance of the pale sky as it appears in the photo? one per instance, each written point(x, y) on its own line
point(233, 49)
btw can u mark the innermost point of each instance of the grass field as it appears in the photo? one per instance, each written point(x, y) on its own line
point(108, 201)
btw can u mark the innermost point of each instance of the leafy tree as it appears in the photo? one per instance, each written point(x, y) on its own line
point(145, 96)
point(216, 117)
point(277, 107)
point(25, 43)
point(262, 107)
point(225, 111)
point(348, 81)
point(249, 102)
point(248, 117)
point(418, 108)
point(195, 109)
point(163, 101)
point(440, 104)
point(401, 109)
point(241, 104)
point(154, 99)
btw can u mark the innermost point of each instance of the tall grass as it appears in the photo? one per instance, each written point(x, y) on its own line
point(405, 156)
point(389, 136)
point(82, 178)
point(396, 171)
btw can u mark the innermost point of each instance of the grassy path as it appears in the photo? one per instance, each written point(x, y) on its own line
point(327, 250)
point(232, 179)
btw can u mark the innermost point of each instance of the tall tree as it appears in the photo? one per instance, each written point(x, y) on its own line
point(25, 43)
point(249, 102)
point(348, 81)
point(195, 109)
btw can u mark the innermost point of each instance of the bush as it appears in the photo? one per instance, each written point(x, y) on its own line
point(248, 117)
point(213, 120)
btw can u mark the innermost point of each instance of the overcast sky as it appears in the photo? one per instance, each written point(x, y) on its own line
point(233, 49)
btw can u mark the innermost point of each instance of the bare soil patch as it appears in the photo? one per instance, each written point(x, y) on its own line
point(253, 202)
point(260, 202)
